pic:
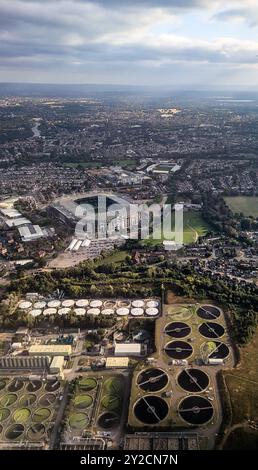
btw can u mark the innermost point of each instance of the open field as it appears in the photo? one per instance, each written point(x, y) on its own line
point(194, 227)
point(117, 257)
point(248, 205)
point(242, 384)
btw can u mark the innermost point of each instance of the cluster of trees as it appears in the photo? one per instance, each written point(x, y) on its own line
point(218, 215)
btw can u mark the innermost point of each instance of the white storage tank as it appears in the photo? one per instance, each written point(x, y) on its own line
point(137, 312)
point(40, 304)
point(152, 304)
point(35, 312)
point(49, 311)
point(64, 311)
point(93, 311)
point(138, 303)
point(54, 303)
point(25, 305)
point(108, 311)
point(96, 303)
point(82, 303)
point(68, 303)
point(80, 311)
point(123, 311)
point(152, 312)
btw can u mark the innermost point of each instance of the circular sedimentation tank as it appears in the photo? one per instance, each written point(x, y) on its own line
point(152, 311)
point(63, 311)
point(211, 330)
point(27, 400)
point(96, 303)
point(108, 311)
point(193, 380)
point(82, 401)
point(151, 409)
point(16, 385)
point(4, 414)
point(24, 305)
point(78, 421)
point(8, 399)
point(178, 349)
point(196, 410)
point(52, 386)
point(208, 312)
point(69, 303)
point(108, 420)
point(36, 432)
point(14, 432)
point(21, 415)
point(94, 311)
point(35, 312)
point(80, 312)
point(87, 384)
point(54, 303)
point(82, 303)
point(109, 304)
point(152, 380)
point(40, 304)
point(48, 399)
point(122, 311)
point(177, 329)
point(215, 350)
point(49, 311)
point(34, 386)
point(182, 313)
point(3, 384)
point(152, 304)
point(137, 312)
point(41, 415)
point(138, 303)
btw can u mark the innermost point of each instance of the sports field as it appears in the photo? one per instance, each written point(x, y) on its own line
point(194, 227)
point(248, 205)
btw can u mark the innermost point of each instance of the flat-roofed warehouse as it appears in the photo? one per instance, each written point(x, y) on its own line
point(51, 350)
point(128, 349)
point(119, 362)
point(57, 365)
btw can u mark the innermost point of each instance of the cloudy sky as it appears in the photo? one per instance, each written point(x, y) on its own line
point(179, 43)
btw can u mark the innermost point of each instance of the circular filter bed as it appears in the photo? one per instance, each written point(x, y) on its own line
point(15, 385)
point(193, 380)
point(36, 432)
point(21, 415)
point(41, 415)
point(178, 349)
point(208, 312)
point(34, 386)
point(151, 409)
point(27, 400)
point(152, 380)
point(52, 386)
point(177, 329)
point(47, 399)
point(87, 384)
point(215, 350)
point(108, 420)
point(8, 400)
point(78, 420)
point(82, 401)
point(4, 414)
point(211, 330)
point(14, 432)
point(196, 410)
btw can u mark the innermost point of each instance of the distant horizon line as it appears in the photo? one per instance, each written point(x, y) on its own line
point(121, 85)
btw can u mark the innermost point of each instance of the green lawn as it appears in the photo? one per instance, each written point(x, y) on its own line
point(248, 205)
point(194, 227)
point(117, 257)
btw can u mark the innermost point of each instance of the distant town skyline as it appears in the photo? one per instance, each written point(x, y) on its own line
point(191, 44)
